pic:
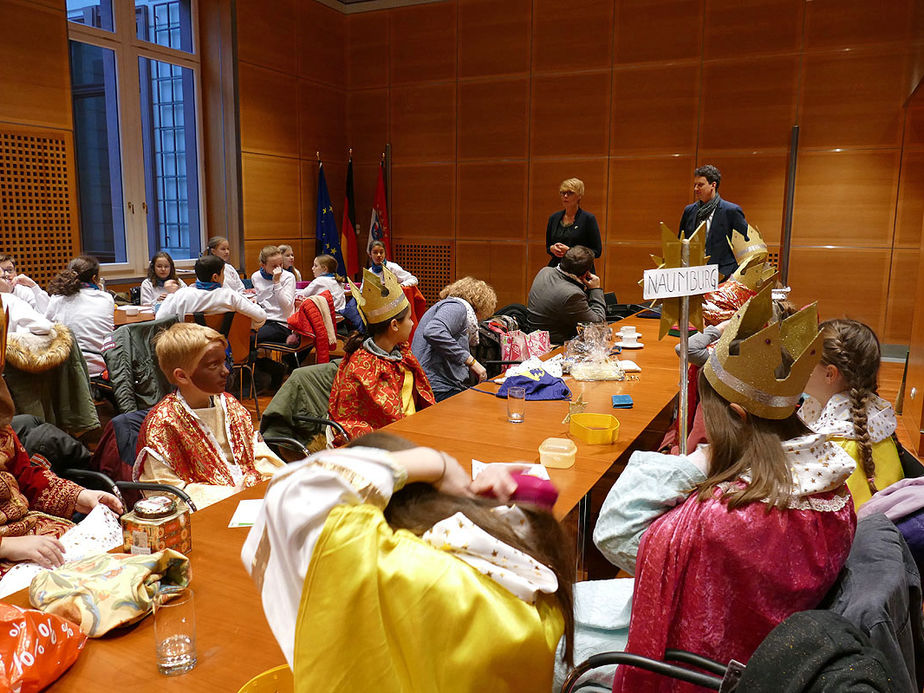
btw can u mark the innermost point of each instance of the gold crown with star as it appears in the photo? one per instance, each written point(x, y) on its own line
point(380, 298)
point(748, 359)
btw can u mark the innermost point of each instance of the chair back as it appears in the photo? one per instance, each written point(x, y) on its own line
point(236, 328)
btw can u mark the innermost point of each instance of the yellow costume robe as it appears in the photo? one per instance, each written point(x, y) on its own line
point(834, 421)
point(385, 610)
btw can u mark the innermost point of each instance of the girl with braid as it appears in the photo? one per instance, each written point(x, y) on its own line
point(843, 404)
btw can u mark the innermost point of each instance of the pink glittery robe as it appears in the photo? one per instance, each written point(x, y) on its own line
point(715, 581)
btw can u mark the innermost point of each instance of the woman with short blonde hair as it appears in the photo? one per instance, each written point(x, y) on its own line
point(572, 226)
point(448, 331)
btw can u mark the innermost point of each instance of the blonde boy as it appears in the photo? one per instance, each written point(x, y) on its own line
point(200, 438)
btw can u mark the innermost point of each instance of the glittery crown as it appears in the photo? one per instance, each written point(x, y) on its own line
point(380, 298)
point(745, 247)
point(743, 366)
point(754, 272)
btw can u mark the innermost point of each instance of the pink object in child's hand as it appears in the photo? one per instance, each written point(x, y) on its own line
point(532, 489)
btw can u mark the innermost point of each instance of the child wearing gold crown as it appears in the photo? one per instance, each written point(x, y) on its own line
point(765, 530)
point(379, 380)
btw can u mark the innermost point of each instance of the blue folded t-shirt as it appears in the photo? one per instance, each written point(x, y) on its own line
point(538, 385)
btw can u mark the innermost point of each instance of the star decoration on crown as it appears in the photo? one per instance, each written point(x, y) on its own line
point(576, 406)
point(671, 247)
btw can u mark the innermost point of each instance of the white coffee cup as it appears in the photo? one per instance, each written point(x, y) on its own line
point(629, 338)
point(627, 330)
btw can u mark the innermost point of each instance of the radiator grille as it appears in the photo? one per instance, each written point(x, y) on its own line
point(431, 263)
point(36, 202)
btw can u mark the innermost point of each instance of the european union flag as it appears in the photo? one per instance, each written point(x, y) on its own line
point(328, 242)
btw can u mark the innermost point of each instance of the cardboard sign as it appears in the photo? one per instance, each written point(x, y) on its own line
point(672, 282)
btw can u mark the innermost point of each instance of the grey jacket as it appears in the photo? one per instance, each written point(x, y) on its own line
point(441, 344)
point(557, 303)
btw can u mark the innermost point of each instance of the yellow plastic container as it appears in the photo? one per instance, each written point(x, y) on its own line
point(596, 429)
point(557, 453)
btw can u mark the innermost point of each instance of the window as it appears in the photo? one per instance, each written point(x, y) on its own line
point(135, 81)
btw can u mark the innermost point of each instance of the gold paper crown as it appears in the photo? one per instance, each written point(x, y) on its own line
point(754, 272)
point(745, 247)
point(748, 376)
point(381, 298)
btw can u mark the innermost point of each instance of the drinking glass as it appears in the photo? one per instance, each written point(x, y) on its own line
point(516, 404)
point(175, 630)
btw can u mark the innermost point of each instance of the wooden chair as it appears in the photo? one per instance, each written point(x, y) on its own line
point(236, 327)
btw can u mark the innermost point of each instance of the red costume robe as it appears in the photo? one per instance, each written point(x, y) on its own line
point(715, 581)
point(178, 438)
point(366, 394)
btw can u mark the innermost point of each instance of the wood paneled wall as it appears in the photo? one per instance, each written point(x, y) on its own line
point(38, 208)
point(293, 98)
point(489, 105)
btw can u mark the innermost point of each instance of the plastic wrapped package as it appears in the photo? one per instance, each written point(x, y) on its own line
point(35, 648)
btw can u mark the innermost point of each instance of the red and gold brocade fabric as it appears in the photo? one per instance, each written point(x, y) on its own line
point(715, 581)
point(172, 432)
point(366, 394)
point(721, 304)
point(30, 492)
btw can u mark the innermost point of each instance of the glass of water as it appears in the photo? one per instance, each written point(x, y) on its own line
point(516, 404)
point(175, 630)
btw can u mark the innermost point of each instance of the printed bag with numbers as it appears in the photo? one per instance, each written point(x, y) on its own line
point(35, 648)
point(519, 346)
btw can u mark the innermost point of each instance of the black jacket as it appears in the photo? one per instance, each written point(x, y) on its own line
point(584, 231)
point(728, 217)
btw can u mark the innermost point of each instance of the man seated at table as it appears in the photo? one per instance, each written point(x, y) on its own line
point(200, 438)
point(563, 296)
point(209, 296)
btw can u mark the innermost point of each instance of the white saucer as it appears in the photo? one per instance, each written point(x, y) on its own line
point(633, 345)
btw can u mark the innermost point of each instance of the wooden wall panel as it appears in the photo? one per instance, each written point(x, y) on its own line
point(848, 23)
point(557, 127)
point(749, 104)
point(271, 197)
point(422, 201)
point(625, 263)
point(569, 36)
point(321, 119)
point(367, 50)
point(644, 192)
point(423, 43)
point(756, 182)
point(269, 111)
point(494, 119)
point(654, 110)
point(662, 30)
point(536, 259)
point(903, 282)
point(544, 179)
point(853, 99)
point(735, 29)
point(266, 34)
point(492, 200)
point(34, 66)
point(494, 38)
point(423, 123)
point(910, 208)
point(502, 265)
point(856, 211)
point(321, 44)
point(367, 125)
point(308, 196)
point(857, 291)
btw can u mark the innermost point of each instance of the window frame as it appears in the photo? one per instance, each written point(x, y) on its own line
point(128, 49)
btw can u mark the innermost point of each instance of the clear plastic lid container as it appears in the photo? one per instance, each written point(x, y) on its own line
point(557, 453)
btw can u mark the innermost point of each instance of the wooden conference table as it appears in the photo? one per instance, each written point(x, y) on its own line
point(234, 642)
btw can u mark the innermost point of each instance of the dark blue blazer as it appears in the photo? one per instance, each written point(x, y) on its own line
point(728, 217)
point(584, 231)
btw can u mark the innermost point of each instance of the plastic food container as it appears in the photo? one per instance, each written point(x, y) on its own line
point(596, 429)
point(557, 453)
